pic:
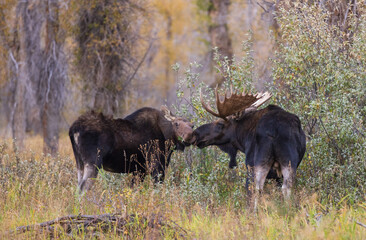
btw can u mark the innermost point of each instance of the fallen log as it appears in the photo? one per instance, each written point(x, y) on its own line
point(105, 223)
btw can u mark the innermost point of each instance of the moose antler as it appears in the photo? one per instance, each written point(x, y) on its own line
point(167, 114)
point(235, 102)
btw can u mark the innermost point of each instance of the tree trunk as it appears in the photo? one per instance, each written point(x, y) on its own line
point(218, 31)
point(51, 92)
point(168, 64)
point(18, 116)
point(40, 80)
point(105, 101)
point(20, 76)
point(106, 47)
point(50, 127)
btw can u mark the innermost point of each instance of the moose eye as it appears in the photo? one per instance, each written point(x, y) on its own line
point(176, 124)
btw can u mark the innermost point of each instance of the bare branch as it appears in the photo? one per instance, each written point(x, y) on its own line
point(138, 66)
point(262, 7)
point(361, 224)
point(334, 143)
point(14, 61)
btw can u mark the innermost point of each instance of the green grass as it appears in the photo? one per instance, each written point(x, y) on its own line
point(207, 204)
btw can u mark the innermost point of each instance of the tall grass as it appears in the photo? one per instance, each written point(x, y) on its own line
point(207, 200)
point(200, 193)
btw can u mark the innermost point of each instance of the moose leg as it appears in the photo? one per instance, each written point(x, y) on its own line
point(79, 162)
point(260, 174)
point(231, 151)
point(90, 173)
point(233, 162)
point(249, 181)
point(92, 162)
point(80, 167)
point(80, 176)
point(288, 159)
point(158, 164)
point(263, 161)
point(288, 180)
point(158, 171)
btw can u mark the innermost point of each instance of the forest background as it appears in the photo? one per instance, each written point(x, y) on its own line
point(60, 58)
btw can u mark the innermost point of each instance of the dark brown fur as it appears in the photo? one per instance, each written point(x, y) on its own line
point(268, 137)
point(138, 143)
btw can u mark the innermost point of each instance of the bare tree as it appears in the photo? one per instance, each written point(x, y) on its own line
point(107, 38)
point(53, 76)
point(218, 30)
point(36, 70)
point(15, 102)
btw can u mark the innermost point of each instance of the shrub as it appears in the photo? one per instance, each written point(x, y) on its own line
point(319, 74)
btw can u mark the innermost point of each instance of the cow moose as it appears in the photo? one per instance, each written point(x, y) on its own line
point(271, 138)
point(139, 143)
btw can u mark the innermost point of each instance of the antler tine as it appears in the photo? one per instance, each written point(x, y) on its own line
point(263, 97)
point(206, 107)
point(217, 95)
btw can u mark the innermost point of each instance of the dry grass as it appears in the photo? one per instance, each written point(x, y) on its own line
point(35, 188)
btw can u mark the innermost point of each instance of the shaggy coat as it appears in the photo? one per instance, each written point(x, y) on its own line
point(271, 138)
point(140, 143)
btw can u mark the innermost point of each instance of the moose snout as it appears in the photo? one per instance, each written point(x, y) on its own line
point(191, 139)
point(185, 133)
point(188, 138)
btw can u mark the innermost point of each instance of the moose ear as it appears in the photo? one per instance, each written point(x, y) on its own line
point(167, 114)
point(165, 123)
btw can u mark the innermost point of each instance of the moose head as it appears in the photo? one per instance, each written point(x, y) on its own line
point(230, 108)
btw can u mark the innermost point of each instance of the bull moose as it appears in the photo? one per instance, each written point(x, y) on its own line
point(271, 138)
point(137, 144)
